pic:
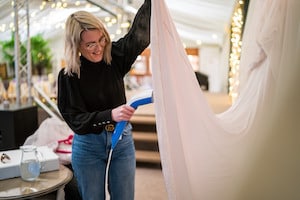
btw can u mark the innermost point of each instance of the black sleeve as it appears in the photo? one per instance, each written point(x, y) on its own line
point(126, 49)
point(73, 109)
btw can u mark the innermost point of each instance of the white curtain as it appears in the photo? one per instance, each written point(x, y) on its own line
point(251, 151)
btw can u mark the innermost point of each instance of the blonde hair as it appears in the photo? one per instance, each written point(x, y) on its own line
point(75, 25)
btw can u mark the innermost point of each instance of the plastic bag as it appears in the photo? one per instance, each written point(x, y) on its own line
point(55, 134)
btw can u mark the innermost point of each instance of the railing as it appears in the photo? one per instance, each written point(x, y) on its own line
point(48, 100)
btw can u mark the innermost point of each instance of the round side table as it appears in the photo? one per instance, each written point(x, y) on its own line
point(47, 182)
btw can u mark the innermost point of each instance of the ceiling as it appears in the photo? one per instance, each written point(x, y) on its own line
point(197, 21)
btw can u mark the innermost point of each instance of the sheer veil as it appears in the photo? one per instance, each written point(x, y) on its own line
point(250, 151)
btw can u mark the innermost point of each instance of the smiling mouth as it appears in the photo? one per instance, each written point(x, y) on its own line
point(97, 53)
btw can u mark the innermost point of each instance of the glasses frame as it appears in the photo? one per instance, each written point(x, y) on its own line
point(90, 46)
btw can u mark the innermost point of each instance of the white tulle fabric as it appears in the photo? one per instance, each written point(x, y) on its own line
point(213, 157)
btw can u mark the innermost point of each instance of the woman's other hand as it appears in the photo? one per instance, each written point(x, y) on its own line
point(122, 113)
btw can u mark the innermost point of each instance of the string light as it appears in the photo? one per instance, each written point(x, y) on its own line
point(118, 26)
point(237, 24)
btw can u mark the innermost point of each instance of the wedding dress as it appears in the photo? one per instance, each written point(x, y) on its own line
point(250, 151)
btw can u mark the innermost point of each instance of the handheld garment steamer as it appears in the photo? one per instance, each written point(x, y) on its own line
point(142, 98)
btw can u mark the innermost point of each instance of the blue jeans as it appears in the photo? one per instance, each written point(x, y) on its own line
point(89, 160)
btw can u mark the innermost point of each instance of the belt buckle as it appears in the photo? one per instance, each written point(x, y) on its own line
point(109, 127)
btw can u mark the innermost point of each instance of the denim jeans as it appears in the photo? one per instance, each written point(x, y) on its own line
point(89, 160)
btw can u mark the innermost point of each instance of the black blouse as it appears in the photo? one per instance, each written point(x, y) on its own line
point(86, 102)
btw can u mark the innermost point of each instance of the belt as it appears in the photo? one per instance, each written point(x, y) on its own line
point(110, 127)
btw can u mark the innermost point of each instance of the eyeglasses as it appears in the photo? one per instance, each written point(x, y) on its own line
point(92, 45)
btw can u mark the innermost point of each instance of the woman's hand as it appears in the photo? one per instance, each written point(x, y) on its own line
point(122, 113)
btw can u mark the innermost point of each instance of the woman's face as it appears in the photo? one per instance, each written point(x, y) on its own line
point(92, 45)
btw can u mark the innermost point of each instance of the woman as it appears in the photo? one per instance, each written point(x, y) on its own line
point(91, 99)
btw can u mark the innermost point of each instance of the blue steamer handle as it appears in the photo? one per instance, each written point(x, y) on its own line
point(121, 125)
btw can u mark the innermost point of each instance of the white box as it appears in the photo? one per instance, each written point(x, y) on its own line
point(11, 168)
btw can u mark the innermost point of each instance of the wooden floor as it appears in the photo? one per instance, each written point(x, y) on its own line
point(145, 138)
